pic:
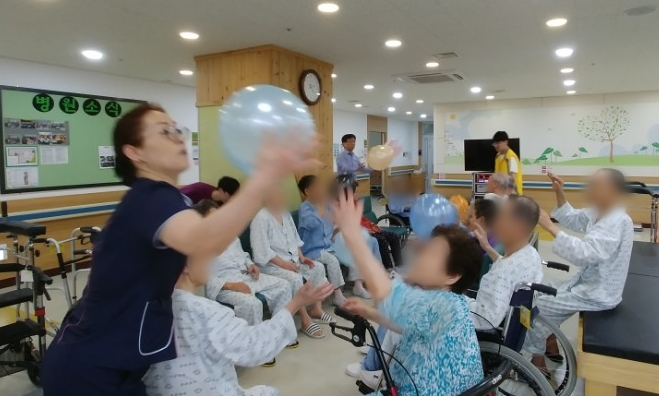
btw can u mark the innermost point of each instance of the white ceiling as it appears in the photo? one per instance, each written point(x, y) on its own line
point(504, 46)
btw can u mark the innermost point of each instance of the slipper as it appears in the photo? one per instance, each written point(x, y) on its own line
point(555, 358)
point(325, 318)
point(269, 364)
point(293, 345)
point(312, 331)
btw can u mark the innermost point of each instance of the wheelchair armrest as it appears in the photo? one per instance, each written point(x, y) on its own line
point(392, 219)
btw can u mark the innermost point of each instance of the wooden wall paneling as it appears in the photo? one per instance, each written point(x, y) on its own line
point(37, 204)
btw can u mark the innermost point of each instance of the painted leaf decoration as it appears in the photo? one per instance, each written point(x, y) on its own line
point(655, 144)
point(643, 148)
point(583, 149)
point(542, 158)
point(558, 153)
point(575, 155)
point(548, 150)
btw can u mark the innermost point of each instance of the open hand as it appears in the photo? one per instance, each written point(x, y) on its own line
point(281, 156)
point(309, 294)
point(396, 146)
point(254, 271)
point(481, 235)
point(545, 221)
point(348, 213)
point(358, 307)
point(556, 182)
point(307, 261)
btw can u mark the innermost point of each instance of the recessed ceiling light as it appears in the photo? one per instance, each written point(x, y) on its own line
point(92, 54)
point(368, 86)
point(419, 101)
point(397, 95)
point(408, 112)
point(328, 7)
point(186, 72)
point(567, 70)
point(564, 52)
point(432, 64)
point(556, 22)
point(422, 116)
point(393, 43)
point(333, 100)
point(189, 35)
point(391, 109)
point(475, 89)
point(569, 83)
point(358, 105)
point(571, 92)
point(489, 97)
point(333, 75)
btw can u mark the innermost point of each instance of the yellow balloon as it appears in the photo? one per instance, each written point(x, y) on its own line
point(380, 157)
point(462, 205)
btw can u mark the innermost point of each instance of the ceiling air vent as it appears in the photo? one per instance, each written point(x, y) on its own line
point(429, 78)
point(446, 55)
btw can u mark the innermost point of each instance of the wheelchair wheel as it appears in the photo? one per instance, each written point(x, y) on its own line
point(32, 355)
point(564, 373)
point(524, 378)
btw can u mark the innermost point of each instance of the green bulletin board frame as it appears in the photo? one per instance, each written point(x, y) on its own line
point(57, 140)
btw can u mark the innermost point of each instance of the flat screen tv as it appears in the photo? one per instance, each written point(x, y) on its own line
point(479, 154)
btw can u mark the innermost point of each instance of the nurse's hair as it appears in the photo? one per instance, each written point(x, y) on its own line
point(128, 131)
point(464, 258)
point(205, 206)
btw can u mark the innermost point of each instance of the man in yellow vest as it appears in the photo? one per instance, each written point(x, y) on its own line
point(507, 161)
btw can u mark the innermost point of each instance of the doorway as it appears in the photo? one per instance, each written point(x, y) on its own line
point(428, 158)
point(377, 177)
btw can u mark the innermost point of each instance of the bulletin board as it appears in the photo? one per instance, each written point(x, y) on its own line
point(57, 140)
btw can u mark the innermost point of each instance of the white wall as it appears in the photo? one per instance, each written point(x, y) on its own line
point(178, 100)
point(344, 123)
point(406, 133)
point(553, 124)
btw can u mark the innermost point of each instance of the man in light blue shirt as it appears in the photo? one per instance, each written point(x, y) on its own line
point(347, 161)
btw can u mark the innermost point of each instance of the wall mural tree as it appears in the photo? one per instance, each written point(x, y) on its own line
point(609, 125)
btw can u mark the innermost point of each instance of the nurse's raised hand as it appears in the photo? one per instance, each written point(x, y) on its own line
point(282, 156)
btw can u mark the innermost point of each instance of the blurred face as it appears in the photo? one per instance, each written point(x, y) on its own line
point(276, 201)
point(162, 151)
point(429, 268)
point(471, 221)
point(349, 145)
point(315, 192)
point(500, 147)
point(600, 191)
point(491, 186)
point(507, 228)
point(220, 195)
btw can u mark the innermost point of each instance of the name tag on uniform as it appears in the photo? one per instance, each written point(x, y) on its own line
point(525, 317)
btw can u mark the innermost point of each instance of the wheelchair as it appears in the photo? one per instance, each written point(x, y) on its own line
point(522, 315)
point(495, 374)
point(17, 350)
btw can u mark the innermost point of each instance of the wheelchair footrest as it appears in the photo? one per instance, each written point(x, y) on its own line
point(16, 297)
point(19, 330)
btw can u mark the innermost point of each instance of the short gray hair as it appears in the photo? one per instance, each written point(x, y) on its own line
point(504, 180)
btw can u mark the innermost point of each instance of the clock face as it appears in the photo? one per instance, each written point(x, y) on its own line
point(310, 87)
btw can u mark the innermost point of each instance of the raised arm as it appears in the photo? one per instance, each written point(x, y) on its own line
point(188, 233)
point(347, 215)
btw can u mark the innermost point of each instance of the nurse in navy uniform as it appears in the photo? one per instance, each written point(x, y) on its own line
point(123, 323)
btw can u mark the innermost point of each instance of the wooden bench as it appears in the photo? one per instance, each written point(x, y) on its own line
point(620, 347)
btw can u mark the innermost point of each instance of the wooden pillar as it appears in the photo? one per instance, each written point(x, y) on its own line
point(220, 75)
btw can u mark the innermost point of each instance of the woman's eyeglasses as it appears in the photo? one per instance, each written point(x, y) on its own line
point(176, 133)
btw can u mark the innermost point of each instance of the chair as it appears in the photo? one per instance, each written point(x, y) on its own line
point(533, 241)
point(395, 224)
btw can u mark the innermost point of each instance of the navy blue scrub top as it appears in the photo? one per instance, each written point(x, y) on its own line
point(124, 319)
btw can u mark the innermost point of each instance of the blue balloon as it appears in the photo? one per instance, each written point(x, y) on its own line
point(255, 110)
point(429, 211)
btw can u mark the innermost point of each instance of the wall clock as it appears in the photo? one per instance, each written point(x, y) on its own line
point(310, 87)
